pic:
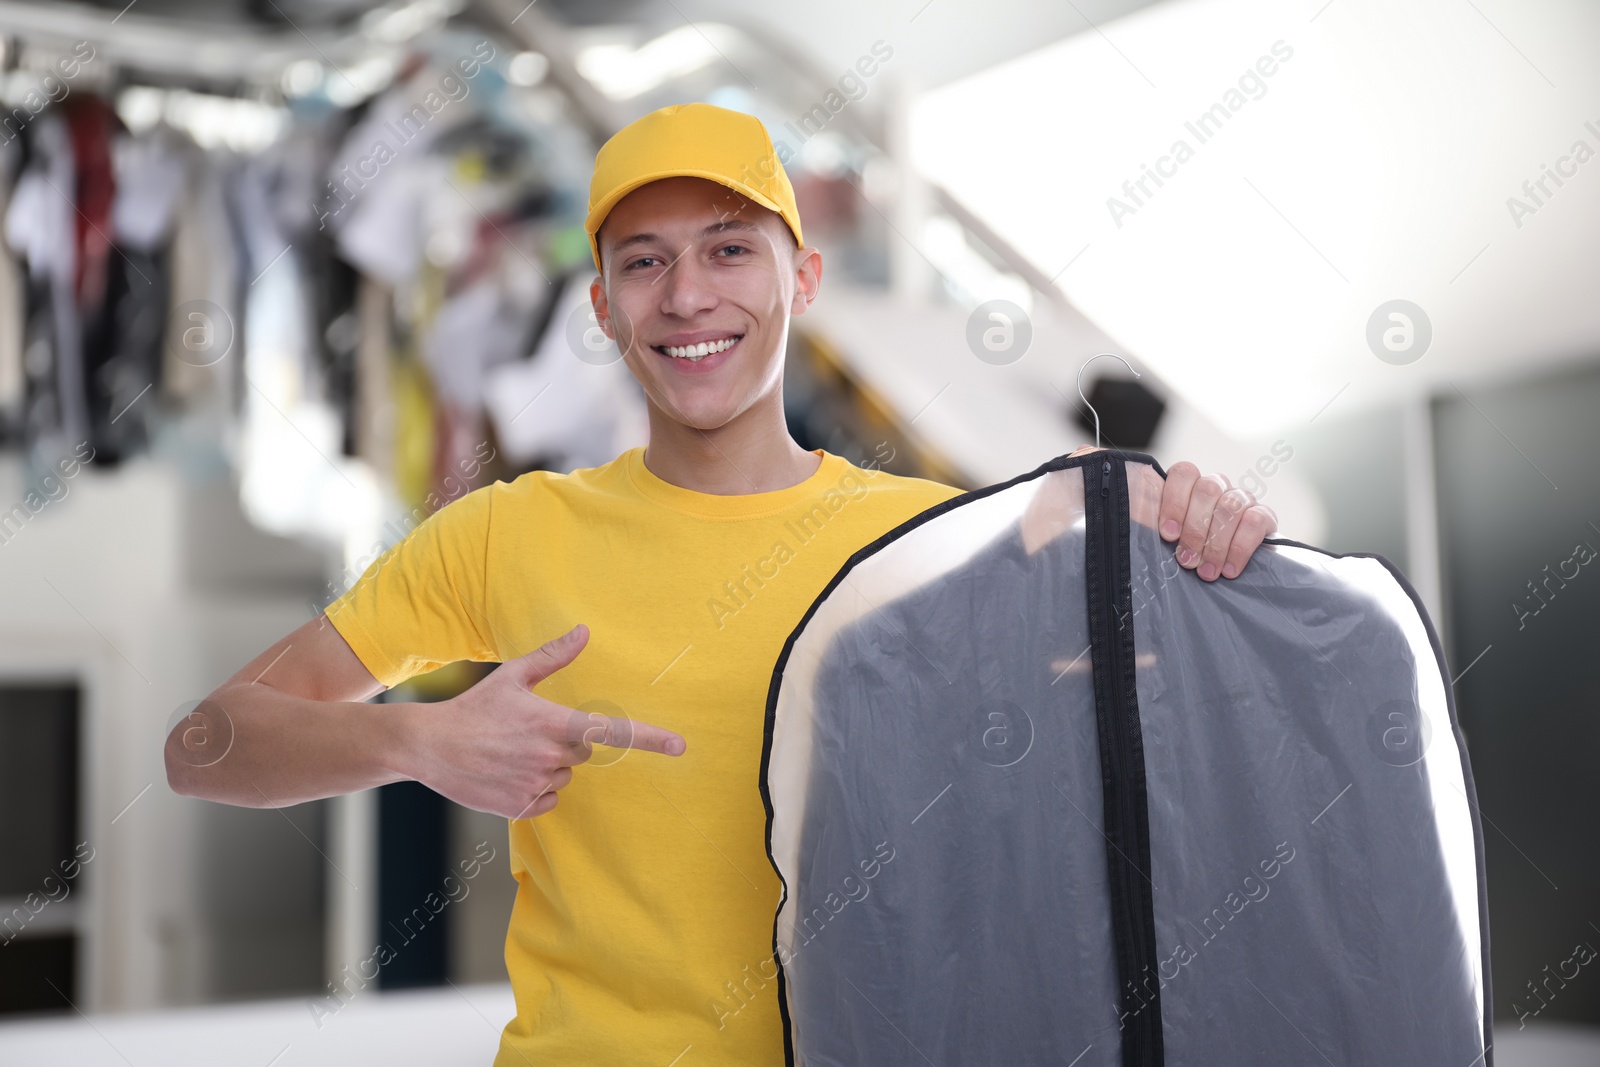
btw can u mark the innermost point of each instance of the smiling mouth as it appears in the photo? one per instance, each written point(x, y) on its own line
point(695, 353)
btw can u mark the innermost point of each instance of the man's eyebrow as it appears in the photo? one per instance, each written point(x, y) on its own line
point(715, 228)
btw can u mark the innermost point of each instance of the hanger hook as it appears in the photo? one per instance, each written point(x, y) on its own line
point(1085, 399)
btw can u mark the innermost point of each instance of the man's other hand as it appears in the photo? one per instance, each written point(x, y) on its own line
point(1218, 527)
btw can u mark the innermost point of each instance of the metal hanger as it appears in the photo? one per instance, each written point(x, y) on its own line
point(1085, 399)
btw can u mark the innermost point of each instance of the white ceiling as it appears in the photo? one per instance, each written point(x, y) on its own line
point(934, 41)
point(1376, 165)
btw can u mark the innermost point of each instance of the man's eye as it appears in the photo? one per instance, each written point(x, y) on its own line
point(639, 261)
point(733, 248)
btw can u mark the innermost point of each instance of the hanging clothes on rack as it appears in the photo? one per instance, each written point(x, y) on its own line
point(443, 195)
point(197, 359)
point(13, 308)
point(290, 440)
point(573, 403)
point(124, 336)
point(41, 225)
point(172, 292)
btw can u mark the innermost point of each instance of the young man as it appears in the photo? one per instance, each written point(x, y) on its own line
point(646, 601)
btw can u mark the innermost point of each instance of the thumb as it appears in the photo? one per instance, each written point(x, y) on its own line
point(531, 669)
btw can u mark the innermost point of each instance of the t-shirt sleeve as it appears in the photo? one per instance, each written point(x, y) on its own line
point(422, 603)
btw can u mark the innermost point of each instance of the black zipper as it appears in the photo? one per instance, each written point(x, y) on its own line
point(1127, 823)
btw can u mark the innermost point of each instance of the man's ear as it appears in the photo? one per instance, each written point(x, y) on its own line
point(808, 279)
point(602, 307)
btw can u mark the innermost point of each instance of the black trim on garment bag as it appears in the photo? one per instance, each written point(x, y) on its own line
point(1107, 567)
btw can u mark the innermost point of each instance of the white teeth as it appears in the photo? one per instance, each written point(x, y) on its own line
point(695, 353)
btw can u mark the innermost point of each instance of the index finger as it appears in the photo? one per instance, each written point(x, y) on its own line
point(615, 731)
point(1175, 499)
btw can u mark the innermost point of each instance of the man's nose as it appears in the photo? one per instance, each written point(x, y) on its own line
point(685, 285)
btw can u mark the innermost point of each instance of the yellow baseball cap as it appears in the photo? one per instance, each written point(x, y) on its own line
point(696, 141)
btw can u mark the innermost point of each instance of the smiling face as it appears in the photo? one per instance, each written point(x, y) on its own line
point(698, 286)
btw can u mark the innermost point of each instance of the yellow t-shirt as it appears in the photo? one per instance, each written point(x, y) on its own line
point(642, 929)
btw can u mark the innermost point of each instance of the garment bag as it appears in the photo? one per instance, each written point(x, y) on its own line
point(1038, 795)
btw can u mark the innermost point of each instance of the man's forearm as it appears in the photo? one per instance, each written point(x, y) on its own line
point(259, 747)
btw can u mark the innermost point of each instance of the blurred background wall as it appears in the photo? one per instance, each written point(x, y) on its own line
point(281, 278)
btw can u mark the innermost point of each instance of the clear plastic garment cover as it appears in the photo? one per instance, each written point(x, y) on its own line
point(1038, 795)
